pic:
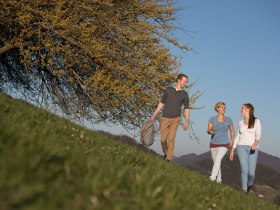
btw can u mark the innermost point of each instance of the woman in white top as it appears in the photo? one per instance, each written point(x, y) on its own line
point(247, 144)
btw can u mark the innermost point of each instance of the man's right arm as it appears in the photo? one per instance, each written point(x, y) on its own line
point(159, 107)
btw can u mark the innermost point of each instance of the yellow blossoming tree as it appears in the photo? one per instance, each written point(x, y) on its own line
point(103, 60)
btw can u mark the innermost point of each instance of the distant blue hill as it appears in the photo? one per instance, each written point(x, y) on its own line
point(264, 159)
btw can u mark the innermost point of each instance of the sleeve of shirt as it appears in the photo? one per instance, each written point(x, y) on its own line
point(236, 140)
point(186, 102)
point(258, 129)
point(211, 119)
point(164, 97)
point(230, 120)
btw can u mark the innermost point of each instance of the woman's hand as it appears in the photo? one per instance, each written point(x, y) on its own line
point(254, 147)
point(211, 129)
point(231, 156)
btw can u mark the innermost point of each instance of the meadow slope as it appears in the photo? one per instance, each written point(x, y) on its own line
point(47, 162)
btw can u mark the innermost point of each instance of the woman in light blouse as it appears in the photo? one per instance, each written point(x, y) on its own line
point(247, 143)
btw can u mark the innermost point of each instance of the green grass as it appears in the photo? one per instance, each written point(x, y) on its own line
point(267, 191)
point(46, 162)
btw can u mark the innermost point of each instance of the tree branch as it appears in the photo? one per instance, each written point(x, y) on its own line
point(6, 48)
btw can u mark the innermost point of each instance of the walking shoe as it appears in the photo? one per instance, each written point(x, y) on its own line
point(219, 181)
point(249, 188)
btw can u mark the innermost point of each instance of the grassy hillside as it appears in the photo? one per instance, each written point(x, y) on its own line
point(267, 182)
point(49, 163)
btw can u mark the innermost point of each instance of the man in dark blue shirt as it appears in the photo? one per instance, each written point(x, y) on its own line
point(171, 102)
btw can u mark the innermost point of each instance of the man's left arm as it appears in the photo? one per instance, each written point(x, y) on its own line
point(186, 111)
point(187, 116)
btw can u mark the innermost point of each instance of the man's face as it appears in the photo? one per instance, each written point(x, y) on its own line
point(183, 82)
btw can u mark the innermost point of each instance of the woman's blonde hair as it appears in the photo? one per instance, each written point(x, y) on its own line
point(219, 104)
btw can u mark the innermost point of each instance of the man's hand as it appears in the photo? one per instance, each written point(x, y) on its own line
point(186, 126)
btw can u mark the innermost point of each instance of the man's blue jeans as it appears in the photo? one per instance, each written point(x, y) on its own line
point(248, 162)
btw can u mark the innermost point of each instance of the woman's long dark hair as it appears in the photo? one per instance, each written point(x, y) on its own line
point(252, 117)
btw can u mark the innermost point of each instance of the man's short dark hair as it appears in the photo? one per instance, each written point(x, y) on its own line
point(180, 76)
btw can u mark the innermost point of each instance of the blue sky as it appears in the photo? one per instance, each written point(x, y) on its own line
point(236, 59)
